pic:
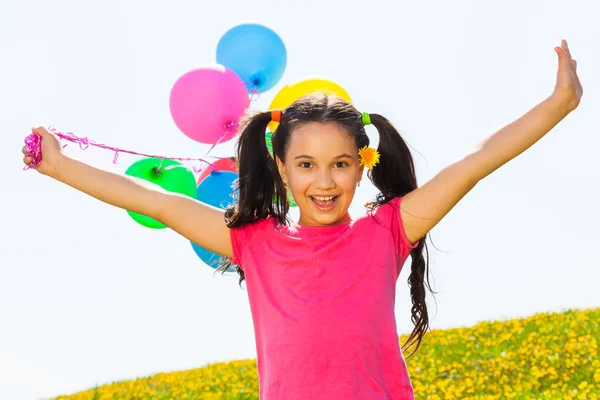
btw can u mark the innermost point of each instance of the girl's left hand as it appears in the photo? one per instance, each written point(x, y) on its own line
point(568, 88)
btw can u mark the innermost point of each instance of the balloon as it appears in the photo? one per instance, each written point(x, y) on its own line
point(206, 101)
point(268, 137)
point(208, 257)
point(171, 175)
point(223, 164)
point(214, 190)
point(291, 200)
point(254, 52)
point(292, 92)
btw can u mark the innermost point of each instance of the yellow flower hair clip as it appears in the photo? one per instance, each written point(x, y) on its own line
point(369, 157)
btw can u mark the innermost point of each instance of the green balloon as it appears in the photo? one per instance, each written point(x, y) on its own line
point(171, 175)
point(268, 137)
point(291, 199)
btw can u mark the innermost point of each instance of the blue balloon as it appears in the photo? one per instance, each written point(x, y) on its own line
point(255, 53)
point(215, 190)
point(209, 258)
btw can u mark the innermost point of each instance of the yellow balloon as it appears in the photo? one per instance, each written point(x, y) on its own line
point(292, 92)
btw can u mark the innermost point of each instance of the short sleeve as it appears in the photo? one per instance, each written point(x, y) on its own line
point(241, 236)
point(389, 215)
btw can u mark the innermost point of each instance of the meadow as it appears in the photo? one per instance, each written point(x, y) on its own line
point(545, 356)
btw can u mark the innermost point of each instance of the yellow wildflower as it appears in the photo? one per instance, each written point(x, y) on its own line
point(369, 157)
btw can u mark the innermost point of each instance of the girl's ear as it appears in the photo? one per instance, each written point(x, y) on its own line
point(361, 170)
point(281, 168)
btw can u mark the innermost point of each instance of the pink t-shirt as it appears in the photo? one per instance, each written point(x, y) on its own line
point(322, 301)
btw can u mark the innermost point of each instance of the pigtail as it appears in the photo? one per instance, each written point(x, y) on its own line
point(259, 189)
point(395, 176)
point(261, 192)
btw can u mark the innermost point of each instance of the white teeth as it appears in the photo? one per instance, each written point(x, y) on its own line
point(324, 198)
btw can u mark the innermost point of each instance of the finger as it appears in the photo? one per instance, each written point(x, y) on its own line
point(569, 50)
point(27, 160)
point(565, 47)
point(578, 81)
point(563, 56)
point(40, 130)
point(24, 150)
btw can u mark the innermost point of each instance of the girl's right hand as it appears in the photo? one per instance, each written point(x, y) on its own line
point(51, 152)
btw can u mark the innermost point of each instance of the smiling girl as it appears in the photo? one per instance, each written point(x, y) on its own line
point(322, 291)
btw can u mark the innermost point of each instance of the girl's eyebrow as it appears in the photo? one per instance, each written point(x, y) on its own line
point(344, 155)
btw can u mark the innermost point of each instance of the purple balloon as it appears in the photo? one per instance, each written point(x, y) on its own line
point(206, 103)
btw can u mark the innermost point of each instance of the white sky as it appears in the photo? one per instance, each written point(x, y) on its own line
point(88, 296)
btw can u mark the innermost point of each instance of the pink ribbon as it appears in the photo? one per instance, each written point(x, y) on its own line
point(33, 145)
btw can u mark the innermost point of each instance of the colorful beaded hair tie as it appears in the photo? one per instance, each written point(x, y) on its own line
point(276, 115)
point(366, 118)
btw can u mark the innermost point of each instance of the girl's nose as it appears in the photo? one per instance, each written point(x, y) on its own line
point(325, 180)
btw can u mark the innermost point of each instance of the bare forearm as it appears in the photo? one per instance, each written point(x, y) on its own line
point(518, 136)
point(119, 190)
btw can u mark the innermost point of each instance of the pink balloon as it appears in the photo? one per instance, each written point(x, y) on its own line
point(223, 164)
point(206, 101)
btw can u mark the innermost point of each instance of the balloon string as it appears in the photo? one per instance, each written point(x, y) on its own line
point(33, 145)
point(254, 93)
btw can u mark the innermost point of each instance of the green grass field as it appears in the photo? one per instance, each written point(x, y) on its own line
point(545, 356)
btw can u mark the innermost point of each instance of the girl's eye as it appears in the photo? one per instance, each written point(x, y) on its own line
point(339, 164)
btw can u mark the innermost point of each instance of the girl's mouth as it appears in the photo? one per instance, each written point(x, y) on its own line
point(324, 203)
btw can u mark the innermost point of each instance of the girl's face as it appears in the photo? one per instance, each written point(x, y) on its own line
point(322, 170)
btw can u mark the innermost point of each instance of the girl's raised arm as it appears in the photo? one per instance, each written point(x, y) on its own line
point(196, 221)
point(425, 206)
